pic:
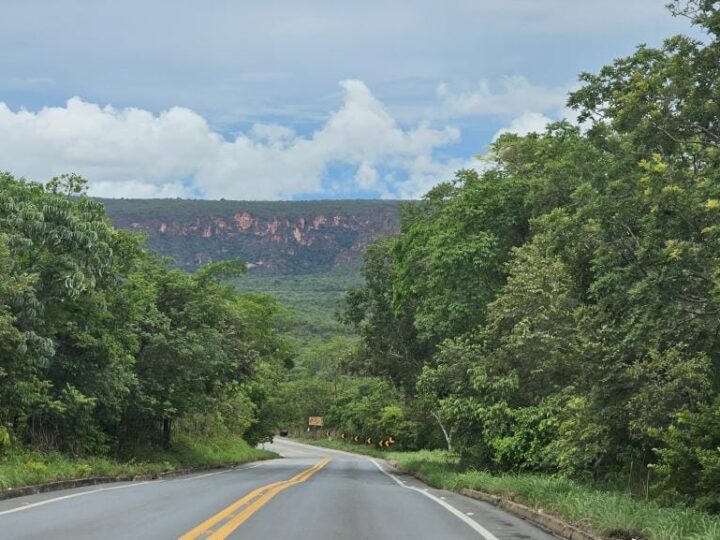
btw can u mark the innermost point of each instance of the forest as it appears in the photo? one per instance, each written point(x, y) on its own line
point(558, 312)
point(106, 347)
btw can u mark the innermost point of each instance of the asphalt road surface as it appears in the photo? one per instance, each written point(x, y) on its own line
point(313, 494)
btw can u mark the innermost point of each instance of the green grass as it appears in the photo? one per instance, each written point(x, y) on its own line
point(596, 510)
point(22, 467)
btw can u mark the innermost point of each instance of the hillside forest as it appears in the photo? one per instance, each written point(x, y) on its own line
point(557, 313)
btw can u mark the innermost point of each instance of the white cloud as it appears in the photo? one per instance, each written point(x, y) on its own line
point(425, 173)
point(272, 133)
point(514, 96)
point(133, 189)
point(104, 144)
point(366, 176)
point(134, 153)
point(526, 123)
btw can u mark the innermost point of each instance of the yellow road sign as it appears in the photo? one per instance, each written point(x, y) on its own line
point(315, 421)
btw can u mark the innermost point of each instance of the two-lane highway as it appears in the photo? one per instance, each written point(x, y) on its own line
point(312, 493)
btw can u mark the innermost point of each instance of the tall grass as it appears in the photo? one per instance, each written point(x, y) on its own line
point(21, 467)
point(597, 510)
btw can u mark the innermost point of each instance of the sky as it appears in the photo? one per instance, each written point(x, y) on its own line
point(288, 99)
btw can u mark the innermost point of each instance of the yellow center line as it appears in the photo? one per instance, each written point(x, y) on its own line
point(254, 500)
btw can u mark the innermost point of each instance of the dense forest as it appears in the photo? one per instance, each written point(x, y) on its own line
point(105, 347)
point(558, 312)
point(313, 301)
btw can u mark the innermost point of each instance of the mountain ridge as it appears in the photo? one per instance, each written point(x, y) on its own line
point(275, 237)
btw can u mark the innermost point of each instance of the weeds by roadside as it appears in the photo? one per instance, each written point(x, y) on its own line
point(22, 467)
point(608, 513)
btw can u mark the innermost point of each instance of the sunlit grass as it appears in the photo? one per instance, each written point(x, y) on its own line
point(597, 510)
point(21, 467)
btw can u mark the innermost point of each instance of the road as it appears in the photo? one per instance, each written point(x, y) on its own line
point(312, 493)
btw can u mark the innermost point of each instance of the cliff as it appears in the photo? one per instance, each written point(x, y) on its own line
point(271, 237)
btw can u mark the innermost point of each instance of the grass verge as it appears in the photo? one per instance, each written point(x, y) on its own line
point(23, 467)
point(609, 514)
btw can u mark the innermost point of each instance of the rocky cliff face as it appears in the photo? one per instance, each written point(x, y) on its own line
point(274, 237)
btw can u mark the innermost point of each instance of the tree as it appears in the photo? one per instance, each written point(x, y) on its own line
point(103, 345)
point(390, 347)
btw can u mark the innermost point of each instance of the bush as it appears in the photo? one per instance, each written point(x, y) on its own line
point(689, 462)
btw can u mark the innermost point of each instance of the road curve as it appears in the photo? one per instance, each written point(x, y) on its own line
point(312, 493)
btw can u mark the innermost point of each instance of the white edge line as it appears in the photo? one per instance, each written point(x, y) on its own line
point(482, 531)
point(111, 488)
point(217, 472)
point(73, 495)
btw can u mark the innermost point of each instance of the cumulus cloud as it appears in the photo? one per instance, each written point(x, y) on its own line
point(129, 147)
point(135, 153)
point(366, 176)
point(426, 173)
point(526, 123)
point(272, 133)
point(133, 189)
point(513, 96)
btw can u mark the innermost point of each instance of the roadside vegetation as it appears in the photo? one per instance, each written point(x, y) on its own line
point(609, 511)
point(552, 322)
point(109, 355)
point(21, 466)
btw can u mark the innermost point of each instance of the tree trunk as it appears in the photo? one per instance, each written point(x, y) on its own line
point(166, 432)
point(448, 436)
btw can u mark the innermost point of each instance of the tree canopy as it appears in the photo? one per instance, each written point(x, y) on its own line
point(559, 312)
point(104, 344)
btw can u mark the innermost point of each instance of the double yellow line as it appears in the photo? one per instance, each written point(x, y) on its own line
point(237, 513)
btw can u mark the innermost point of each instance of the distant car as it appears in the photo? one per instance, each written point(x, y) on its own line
point(283, 432)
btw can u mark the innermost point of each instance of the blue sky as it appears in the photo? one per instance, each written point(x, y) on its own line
point(283, 99)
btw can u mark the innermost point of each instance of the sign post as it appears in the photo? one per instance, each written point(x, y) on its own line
point(315, 423)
